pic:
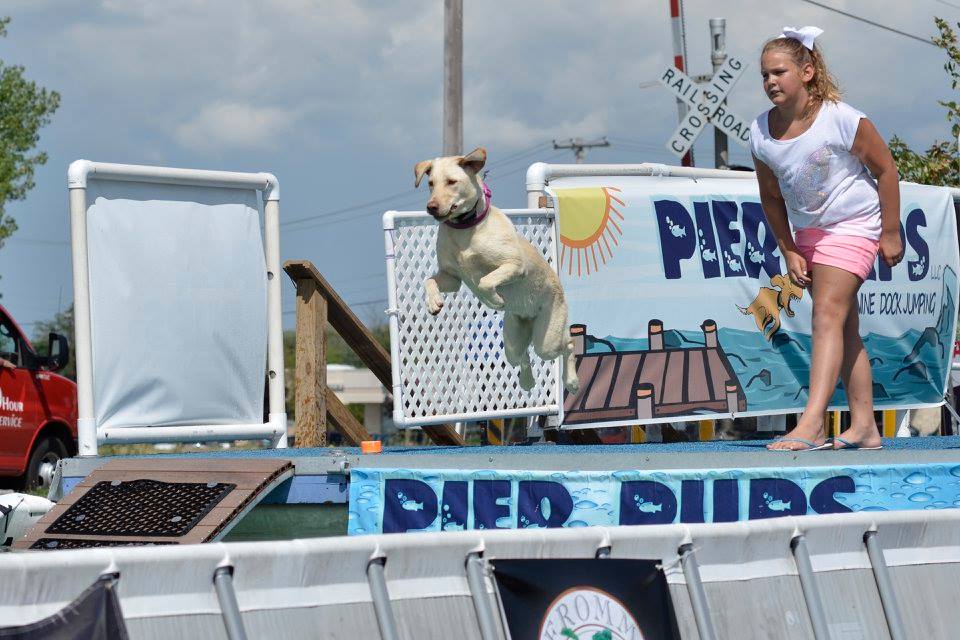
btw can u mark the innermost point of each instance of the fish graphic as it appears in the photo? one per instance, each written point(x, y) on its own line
point(646, 506)
point(779, 505)
point(410, 505)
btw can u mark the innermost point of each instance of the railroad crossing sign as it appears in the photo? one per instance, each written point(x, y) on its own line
point(707, 105)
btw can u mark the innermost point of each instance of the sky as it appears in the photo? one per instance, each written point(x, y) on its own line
point(340, 99)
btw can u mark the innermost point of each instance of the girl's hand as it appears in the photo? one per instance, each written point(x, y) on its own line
point(891, 247)
point(797, 268)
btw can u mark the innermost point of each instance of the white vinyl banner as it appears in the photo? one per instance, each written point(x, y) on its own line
point(177, 304)
point(679, 308)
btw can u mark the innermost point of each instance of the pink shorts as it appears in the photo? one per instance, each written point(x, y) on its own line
point(850, 253)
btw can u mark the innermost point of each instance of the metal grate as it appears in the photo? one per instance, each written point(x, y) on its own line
point(140, 508)
point(452, 366)
point(49, 544)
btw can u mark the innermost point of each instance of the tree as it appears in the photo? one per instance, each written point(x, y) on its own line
point(24, 109)
point(940, 165)
point(62, 323)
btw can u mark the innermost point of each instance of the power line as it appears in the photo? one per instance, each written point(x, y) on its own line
point(949, 4)
point(871, 22)
point(409, 192)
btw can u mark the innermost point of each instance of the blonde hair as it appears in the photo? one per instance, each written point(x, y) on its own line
point(822, 87)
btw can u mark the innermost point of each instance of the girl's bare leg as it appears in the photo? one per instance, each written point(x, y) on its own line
point(834, 296)
point(858, 382)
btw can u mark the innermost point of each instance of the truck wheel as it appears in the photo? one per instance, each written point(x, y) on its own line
point(43, 462)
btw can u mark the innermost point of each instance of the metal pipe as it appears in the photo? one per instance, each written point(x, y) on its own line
point(232, 620)
point(884, 585)
point(698, 597)
point(481, 601)
point(809, 585)
point(718, 40)
point(381, 599)
point(452, 77)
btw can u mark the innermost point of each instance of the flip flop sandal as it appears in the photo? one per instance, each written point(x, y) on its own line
point(846, 444)
point(811, 445)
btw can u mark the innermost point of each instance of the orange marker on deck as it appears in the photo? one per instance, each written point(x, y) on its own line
point(371, 446)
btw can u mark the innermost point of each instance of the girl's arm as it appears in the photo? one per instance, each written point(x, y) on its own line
point(873, 152)
point(776, 212)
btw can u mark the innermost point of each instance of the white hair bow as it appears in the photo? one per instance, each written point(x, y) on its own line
point(806, 35)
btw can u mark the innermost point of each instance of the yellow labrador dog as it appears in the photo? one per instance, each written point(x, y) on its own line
point(478, 246)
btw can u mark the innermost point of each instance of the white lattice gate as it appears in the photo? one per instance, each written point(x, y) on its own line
point(451, 366)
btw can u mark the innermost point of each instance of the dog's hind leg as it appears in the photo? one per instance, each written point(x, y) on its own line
point(551, 339)
point(516, 346)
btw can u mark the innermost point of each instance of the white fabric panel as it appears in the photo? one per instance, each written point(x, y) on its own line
point(436, 618)
point(927, 596)
point(851, 604)
point(292, 574)
point(769, 608)
point(416, 570)
point(647, 542)
point(334, 622)
point(743, 550)
point(177, 582)
point(208, 627)
point(544, 543)
point(34, 585)
point(177, 303)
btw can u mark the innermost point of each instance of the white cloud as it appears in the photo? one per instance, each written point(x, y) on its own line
point(231, 125)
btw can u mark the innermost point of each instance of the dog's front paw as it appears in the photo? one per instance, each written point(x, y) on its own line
point(572, 386)
point(434, 303)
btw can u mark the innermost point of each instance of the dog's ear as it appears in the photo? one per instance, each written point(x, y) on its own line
point(474, 160)
point(422, 168)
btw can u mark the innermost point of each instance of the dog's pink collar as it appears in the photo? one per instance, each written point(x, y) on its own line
point(476, 216)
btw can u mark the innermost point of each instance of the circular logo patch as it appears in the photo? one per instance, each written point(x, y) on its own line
point(587, 613)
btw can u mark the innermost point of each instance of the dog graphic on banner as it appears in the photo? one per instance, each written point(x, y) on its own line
point(769, 302)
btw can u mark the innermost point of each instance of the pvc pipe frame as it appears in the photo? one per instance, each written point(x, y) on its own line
point(89, 435)
point(232, 620)
point(381, 599)
point(539, 174)
point(884, 586)
point(808, 584)
point(698, 597)
point(481, 601)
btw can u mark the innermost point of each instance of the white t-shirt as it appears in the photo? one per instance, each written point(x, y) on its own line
point(824, 185)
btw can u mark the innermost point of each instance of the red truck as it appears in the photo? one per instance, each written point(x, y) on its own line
point(38, 408)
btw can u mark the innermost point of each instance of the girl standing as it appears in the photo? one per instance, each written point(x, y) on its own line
point(812, 153)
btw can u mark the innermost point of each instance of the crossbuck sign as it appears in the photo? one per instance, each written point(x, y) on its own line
point(707, 103)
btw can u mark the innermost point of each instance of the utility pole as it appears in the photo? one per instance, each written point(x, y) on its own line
point(452, 77)
point(580, 146)
point(718, 54)
point(679, 61)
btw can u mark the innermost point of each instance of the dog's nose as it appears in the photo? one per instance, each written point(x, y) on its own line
point(433, 208)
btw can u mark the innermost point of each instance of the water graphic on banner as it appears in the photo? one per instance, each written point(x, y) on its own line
point(679, 308)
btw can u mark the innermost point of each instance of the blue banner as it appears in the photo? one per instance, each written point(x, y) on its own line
point(680, 310)
point(401, 500)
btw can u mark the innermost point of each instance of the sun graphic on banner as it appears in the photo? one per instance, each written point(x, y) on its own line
point(588, 226)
